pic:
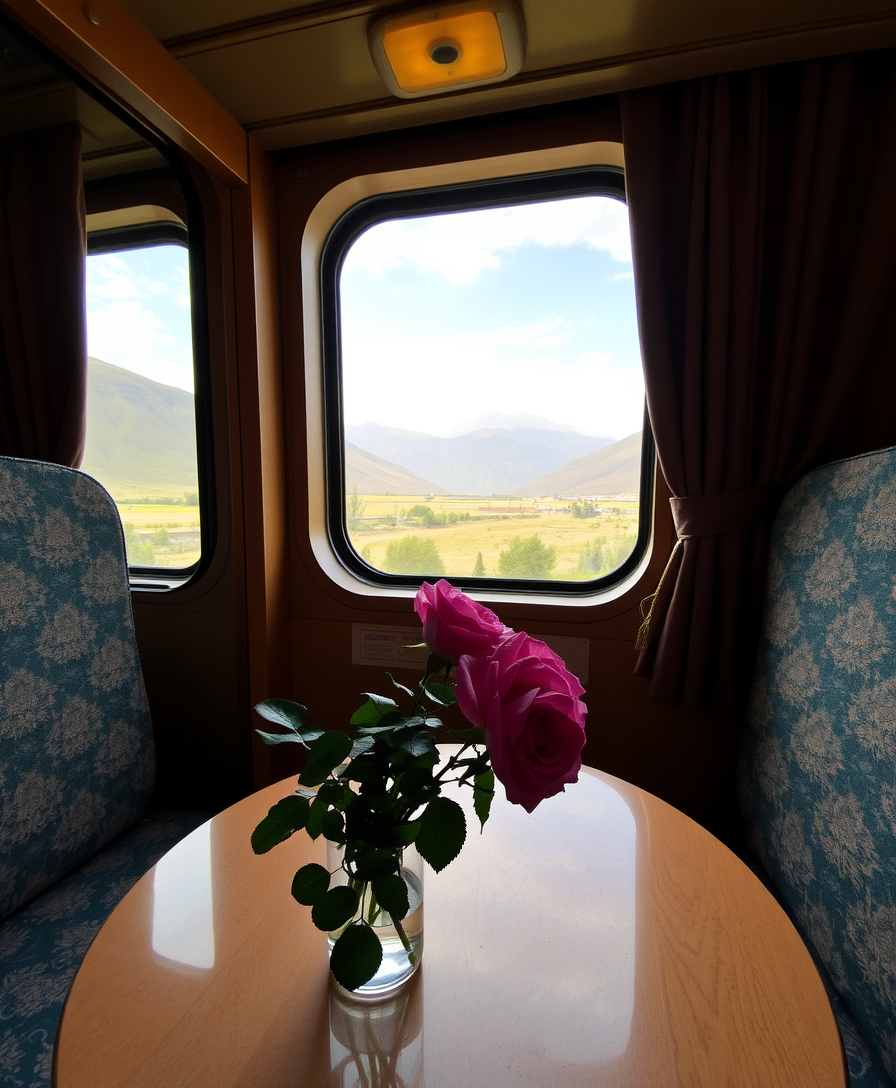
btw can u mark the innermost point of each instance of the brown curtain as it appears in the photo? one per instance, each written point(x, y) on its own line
point(43, 334)
point(763, 212)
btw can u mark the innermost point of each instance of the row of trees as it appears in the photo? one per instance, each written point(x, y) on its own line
point(524, 557)
point(189, 498)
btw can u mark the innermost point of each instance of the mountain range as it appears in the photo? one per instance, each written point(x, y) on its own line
point(487, 461)
point(141, 443)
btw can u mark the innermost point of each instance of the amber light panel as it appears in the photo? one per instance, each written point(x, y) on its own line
point(485, 35)
point(481, 51)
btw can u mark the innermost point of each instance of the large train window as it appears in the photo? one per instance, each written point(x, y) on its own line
point(483, 386)
point(141, 418)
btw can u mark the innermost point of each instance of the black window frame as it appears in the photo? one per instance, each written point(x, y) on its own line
point(497, 192)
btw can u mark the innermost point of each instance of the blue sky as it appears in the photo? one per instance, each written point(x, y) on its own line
point(138, 312)
point(521, 310)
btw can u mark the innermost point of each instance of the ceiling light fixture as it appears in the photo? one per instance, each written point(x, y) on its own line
point(442, 48)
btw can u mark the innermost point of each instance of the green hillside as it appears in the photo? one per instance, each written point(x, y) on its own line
point(141, 436)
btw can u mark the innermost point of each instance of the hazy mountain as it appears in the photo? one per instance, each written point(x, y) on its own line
point(487, 461)
point(610, 471)
point(141, 435)
point(514, 421)
point(374, 476)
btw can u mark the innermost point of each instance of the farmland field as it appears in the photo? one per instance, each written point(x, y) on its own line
point(167, 535)
point(460, 528)
point(160, 535)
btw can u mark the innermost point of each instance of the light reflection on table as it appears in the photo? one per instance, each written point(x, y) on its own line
point(183, 914)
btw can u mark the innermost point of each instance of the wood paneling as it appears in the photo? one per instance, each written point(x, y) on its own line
point(105, 42)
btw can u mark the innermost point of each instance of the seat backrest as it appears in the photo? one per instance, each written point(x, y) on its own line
point(76, 752)
point(818, 778)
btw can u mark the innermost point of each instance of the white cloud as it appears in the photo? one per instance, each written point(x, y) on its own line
point(111, 277)
point(127, 334)
point(138, 313)
point(459, 245)
point(543, 335)
point(427, 385)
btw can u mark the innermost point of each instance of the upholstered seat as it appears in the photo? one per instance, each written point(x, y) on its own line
point(818, 777)
point(76, 749)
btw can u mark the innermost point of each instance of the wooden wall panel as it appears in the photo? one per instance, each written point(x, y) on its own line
point(106, 43)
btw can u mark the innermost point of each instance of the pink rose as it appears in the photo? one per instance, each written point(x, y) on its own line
point(528, 703)
point(453, 624)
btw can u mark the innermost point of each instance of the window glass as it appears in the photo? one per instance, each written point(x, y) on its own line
point(492, 394)
point(141, 422)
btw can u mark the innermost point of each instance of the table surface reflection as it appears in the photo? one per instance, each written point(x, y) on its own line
point(605, 940)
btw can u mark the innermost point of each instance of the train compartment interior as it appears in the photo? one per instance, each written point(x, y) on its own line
point(252, 128)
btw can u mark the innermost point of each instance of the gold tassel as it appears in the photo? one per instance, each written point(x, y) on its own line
point(645, 631)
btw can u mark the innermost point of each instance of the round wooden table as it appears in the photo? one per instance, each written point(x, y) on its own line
point(605, 940)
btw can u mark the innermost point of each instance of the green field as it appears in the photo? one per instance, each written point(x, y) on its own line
point(488, 526)
point(161, 535)
point(167, 535)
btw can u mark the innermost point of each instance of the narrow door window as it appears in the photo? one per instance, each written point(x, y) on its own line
point(141, 422)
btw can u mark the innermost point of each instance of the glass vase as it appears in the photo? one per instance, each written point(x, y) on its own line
point(402, 944)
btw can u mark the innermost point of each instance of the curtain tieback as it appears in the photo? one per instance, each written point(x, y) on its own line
point(704, 515)
point(709, 515)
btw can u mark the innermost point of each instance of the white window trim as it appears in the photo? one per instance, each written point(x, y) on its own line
point(322, 219)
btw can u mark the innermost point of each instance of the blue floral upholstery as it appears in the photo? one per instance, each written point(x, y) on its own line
point(818, 778)
point(42, 945)
point(76, 750)
point(76, 746)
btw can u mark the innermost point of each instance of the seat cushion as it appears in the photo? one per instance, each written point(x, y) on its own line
point(76, 747)
point(43, 943)
point(818, 786)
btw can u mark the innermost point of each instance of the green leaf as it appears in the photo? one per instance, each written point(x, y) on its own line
point(393, 720)
point(284, 712)
point(483, 793)
point(337, 794)
point(370, 712)
point(356, 956)
point(332, 825)
point(392, 894)
point(316, 815)
point(372, 862)
point(335, 908)
point(361, 745)
point(401, 687)
point(443, 829)
point(415, 779)
point(287, 816)
point(362, 770)
point(407, 833)
point(417, 743)
point(328, 752)
point(280, 738)
point(441, 694)
point(310, 883)
point(428, 760)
